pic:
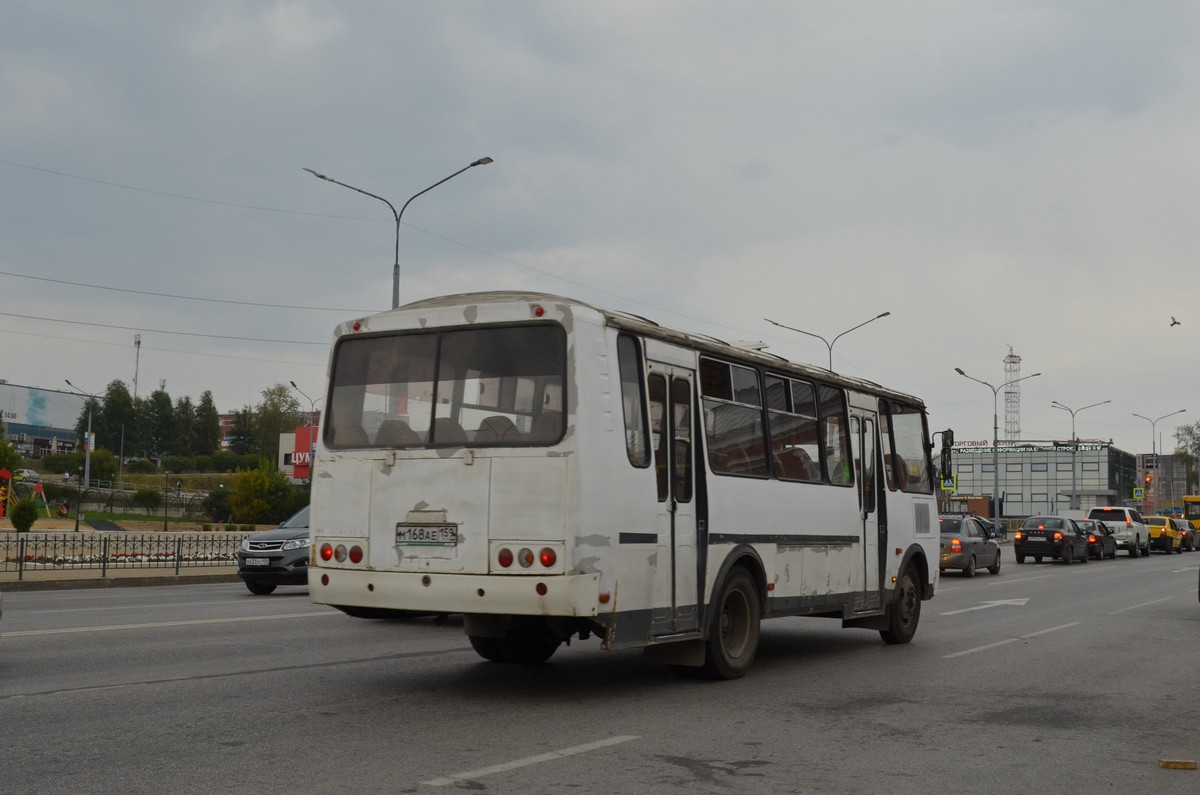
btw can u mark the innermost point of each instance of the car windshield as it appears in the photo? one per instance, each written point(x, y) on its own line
point(1156, 521)
point(299, 519)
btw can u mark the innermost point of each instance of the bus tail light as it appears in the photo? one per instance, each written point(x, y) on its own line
point(505, 558)
point(356, 554)
point(525, 557)
point(326, 552)
point(548, 557)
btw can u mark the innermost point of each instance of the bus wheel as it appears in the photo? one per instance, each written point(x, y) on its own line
point(905, 612)
point(487, 648)
point(525, 646)
point(733, 637)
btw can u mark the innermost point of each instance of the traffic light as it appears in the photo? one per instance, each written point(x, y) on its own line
point(1147, 479)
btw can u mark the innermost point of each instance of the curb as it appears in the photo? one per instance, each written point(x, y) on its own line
point(113, 582)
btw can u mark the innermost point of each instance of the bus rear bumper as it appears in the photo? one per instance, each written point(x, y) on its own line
point(574, 595)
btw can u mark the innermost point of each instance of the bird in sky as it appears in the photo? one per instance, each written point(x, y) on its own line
point(1175, 322)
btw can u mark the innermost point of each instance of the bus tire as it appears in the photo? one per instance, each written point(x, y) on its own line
point(526, 646)
point(905, 612)
point(487, 648)
point(733, 636)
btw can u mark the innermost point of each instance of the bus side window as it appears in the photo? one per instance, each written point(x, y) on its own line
point(633, 401)
point(835, 439)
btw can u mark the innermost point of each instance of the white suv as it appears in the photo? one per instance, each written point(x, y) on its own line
point(1128, 529)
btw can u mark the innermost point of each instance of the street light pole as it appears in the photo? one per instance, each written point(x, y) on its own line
point(87, 441)
point(165, 473)
point(995, 433)
point(312, 440)
point(828, 344)
point(1153, 449)
point(483, 161)
point(1074, 501)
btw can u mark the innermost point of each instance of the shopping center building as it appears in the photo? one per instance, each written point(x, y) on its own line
point(1033, 477)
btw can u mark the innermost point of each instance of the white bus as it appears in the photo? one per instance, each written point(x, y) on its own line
point(553, 470)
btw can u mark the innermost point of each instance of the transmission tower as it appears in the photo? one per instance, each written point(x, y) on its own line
point(1012, 397)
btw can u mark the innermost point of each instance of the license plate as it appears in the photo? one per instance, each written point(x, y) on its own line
point(258, 561)
point(1035, 538)
point(427, 535)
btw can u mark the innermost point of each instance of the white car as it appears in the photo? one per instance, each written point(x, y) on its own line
point(27, 476)
point(1129, 531)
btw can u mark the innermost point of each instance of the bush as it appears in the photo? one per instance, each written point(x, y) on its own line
point(24, 514)
point(147, 499)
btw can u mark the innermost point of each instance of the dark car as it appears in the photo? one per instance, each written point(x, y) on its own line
point(1050, 537)
point(1101, 543)
point(276, 557)
point(968, 543)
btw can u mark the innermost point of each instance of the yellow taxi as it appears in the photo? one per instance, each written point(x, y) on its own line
point(1164, 534)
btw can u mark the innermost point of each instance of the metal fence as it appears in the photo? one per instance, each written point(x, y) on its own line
point(105, 552)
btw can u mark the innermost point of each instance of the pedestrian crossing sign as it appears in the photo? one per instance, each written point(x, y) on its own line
point(950, 483)
point(1139, 493)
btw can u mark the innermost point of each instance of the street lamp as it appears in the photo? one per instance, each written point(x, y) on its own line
point(165, 473)
point(995, 433)
point(87, 441)
point(1154, 451)
point(1074, 501)
point(483, 161)
point(828, 344)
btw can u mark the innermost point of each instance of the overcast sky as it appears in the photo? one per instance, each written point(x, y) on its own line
point(994, 174)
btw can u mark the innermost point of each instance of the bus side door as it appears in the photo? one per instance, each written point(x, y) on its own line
point(675, 593)
point(863, 425)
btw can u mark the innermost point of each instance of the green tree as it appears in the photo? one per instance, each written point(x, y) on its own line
point(241, 436)
point(184, 438)
point(278, 412)
point(162, 422)
point(10, 459)
point(261, 496)
point(118, 419)
point(208, 426)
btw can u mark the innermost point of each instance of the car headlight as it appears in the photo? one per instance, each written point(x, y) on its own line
point(246, 544)
point(297, 543)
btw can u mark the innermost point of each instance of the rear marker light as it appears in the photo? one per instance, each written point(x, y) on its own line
point(505, 558)
point(547, 557)
point(538, 311)
point(356, 554)
point(541, 589)
point(604, 597)
point(324, 579)
point(326, 552)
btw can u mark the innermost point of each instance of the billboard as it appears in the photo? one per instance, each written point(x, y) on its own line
point(39, 408)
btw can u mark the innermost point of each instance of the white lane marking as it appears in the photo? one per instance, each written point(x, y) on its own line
point(1143, 604)
point(986, 605)
point(470, 775)
point(1008, 640)
point(160, 624)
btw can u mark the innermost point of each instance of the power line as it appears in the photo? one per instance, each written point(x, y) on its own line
point(184, 297)
point(161, 331)
point(165, 350)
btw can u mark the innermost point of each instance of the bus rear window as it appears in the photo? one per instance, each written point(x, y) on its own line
point(478, 387)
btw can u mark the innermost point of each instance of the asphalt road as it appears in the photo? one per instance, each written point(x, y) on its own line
point(1043, 678)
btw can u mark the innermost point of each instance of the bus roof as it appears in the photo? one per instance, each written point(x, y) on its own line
point(643, 326)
